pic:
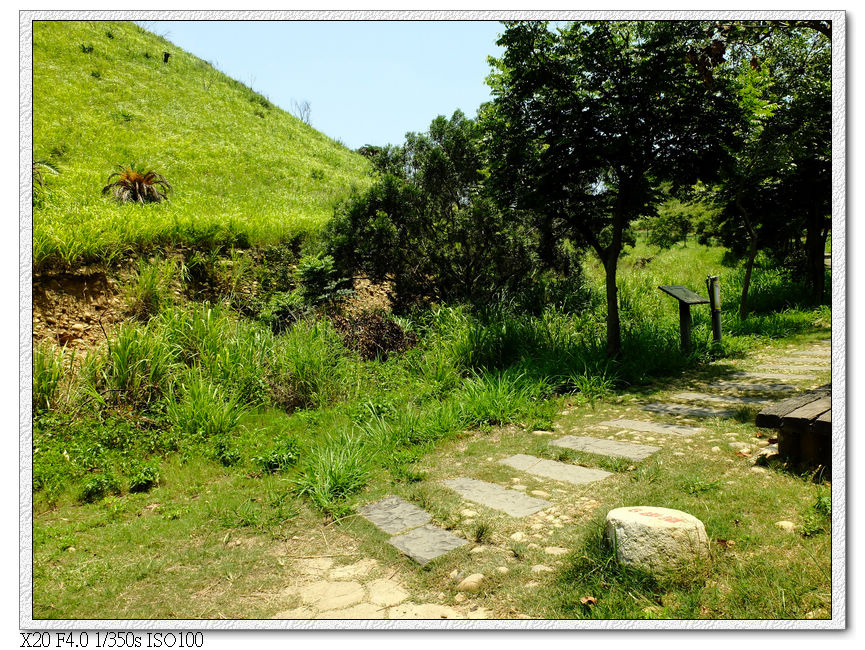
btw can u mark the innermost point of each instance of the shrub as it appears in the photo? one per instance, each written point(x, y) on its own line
point(427, 226)
point(97, 487)
point(319, 282)
point(284, 454)
point(144, 478)
point(373, 335)
point(223, 450)
point(135, 185)
point(282, 310)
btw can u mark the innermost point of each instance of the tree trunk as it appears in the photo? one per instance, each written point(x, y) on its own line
point(752, 254)
point(614, 329)
point(815, 247)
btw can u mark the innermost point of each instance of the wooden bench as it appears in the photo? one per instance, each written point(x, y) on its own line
point(804, 424)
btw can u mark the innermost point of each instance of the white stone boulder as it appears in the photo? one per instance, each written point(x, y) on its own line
point(657, 540)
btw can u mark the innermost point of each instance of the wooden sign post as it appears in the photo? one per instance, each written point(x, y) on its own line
point(686, 298)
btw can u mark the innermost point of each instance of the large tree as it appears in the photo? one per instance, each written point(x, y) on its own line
point(587, 121)
point(779, 185)
point(426, 226)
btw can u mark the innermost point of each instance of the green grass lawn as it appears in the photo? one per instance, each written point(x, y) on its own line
point(243, 171)
point(265, 443)
point(254, 444)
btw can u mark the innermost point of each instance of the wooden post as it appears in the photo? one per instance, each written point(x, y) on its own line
point(685, 325)
point(713, 284)
point(686, 298)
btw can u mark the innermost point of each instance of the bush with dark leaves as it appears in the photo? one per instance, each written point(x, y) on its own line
point(373, 335)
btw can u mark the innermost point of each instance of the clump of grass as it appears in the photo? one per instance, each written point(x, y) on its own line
point(495, 397)
point(818, 517)
point(306, 365)
point(151, 289)
point(482, 532)
point(283, 455)
point(334, 470)
point(698, 486)
point(136, 368)
point(202, 410)
point(48, 373)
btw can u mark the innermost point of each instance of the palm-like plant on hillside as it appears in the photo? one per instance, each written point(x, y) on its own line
point(137, 186)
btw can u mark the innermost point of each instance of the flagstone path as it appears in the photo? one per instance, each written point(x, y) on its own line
point(361, 591)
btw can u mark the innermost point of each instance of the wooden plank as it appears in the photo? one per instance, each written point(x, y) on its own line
point(683, 294)
point(771, 416)
point(800, 420)
point(823, 424)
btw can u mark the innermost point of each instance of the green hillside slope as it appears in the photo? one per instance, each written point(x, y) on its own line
point(243, 171)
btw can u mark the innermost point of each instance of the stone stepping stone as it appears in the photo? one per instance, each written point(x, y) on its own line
point(420, 540)
point(652, 427)
point(773, 375)
point(822, 360)
point(824, 352)
point(603, 447)
point(755, 387)
point(792, 368)
point(491, 495)
point(575, 474)
point(695, 411)
point(393, 515)
point(426, 543)
point(717, 399)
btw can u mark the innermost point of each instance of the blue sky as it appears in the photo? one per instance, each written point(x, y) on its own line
point(367, 82)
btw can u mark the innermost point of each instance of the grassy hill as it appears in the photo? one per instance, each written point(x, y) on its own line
point(243, 171)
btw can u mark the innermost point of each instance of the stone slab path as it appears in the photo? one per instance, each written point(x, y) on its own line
point(613, 448)
point(357, 591)
point(652, 427)
point(773, 375)
point(419, 540)
point(755, 387)
point(824, 352)
point(717, 399)
point(793, 368)
point(575, 474)
point(491, 495)
point(822, 360)
point(393, 515)
point(694, 411)
point(426, 543)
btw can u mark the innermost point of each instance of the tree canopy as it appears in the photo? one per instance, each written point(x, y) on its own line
point(587, 121)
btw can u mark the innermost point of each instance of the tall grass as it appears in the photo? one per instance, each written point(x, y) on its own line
point(150, 292)
point(333, 470)
point(201, 410)
point(136, 367)
point(49, 368)
point(308, 365)
point(119, 103)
